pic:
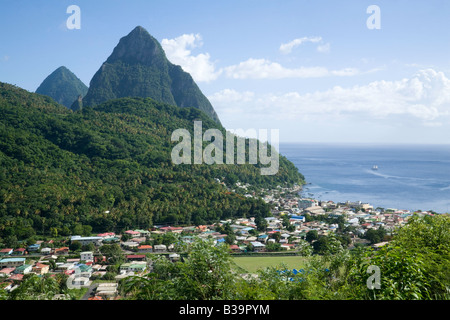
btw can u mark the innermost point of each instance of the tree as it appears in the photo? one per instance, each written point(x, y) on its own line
point(229, 239)
point(327, 245)
point(271, 247)
point(33, 287)
point(304, 248)
point(312, 235)
point(88, 247)
point(113, 252)
point(204, 274)
point(261, 223)
point(414, 265)
point(75, 246)
point(375, 235)
point(276, 236)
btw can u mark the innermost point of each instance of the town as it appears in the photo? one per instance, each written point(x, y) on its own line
point(297, 225)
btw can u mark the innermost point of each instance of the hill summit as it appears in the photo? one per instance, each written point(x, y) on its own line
point(138, 67)
point(63, 86)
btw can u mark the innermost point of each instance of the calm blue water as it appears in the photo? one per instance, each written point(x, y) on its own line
point(408, 176)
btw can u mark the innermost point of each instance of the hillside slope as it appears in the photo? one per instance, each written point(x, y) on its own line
point(109, 167)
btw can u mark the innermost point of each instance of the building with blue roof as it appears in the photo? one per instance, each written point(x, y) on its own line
point(12, 262)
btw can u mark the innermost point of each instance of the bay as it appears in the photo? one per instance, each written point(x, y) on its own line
point(411, 177)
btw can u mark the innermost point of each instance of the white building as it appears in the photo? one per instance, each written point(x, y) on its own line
point(86, 240)
point(87, 256)
point(258, 246)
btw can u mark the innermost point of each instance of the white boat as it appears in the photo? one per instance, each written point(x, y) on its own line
point(375, 167)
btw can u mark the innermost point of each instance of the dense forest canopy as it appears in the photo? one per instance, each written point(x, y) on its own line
point(109, 167)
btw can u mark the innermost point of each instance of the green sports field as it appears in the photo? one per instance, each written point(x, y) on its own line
point(252, 264)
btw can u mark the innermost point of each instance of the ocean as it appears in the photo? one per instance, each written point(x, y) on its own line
point(411, 177)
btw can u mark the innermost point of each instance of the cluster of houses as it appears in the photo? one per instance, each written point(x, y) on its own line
point(15, 263)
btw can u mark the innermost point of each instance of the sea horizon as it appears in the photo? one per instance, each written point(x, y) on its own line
point(409, 176)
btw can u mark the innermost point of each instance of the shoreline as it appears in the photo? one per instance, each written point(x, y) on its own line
point(375, 205)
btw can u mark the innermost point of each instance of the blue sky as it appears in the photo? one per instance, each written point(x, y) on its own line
point(311, 69)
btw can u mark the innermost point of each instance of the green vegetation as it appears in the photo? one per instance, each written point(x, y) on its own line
point(414, 266)
point(63, 86)
point(109, 168)
point(254, 263)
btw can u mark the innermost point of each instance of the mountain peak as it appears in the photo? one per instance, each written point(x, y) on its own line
point(63, 86)
point(138, 47)
point(138, 67)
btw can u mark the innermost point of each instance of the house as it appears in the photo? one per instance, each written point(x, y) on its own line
point(143, 233)
point(258, 246)
point(130, 245)
point(202, 228)
point(87, 240)
point(139, 239)
point(159, 248)
point(306, 203)
point(263, 237)
point(51, 257)
point(172, 229)
point(84, 268)
point(34, 247)
point(377, 246)
point(99, 259)
point(5, 272)
point(144, 248)
point(110, 240)
point(106, 235)
point(295, 219)
point(136, 257)
point(174, 257)
point(40, 268)
point(6, 252)
point(46, 251)
point(73, 261)
point(285, 236)
point(246, 230)
point(19, 251)
point(288, 246)
point(23, 269)
point(133, 267)
point(133, 234)
point(316, 210)
point(234, 248)
point(81, 281)
point(64, 267)
point(87, 256)
point(16, 277)
point(106, 290)
point(63, 250)
point(11, 262)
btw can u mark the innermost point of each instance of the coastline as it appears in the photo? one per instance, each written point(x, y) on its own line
point(410, 177)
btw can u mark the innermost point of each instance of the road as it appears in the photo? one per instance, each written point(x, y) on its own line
point(91, 289)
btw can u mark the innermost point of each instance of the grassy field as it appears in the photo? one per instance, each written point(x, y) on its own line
point(252, 264)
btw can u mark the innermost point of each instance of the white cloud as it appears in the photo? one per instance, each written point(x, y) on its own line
point(424, 97)
point(199, 66)
point(202, 69)
point(266, 69)
point(323, 48)
point(286, 48)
